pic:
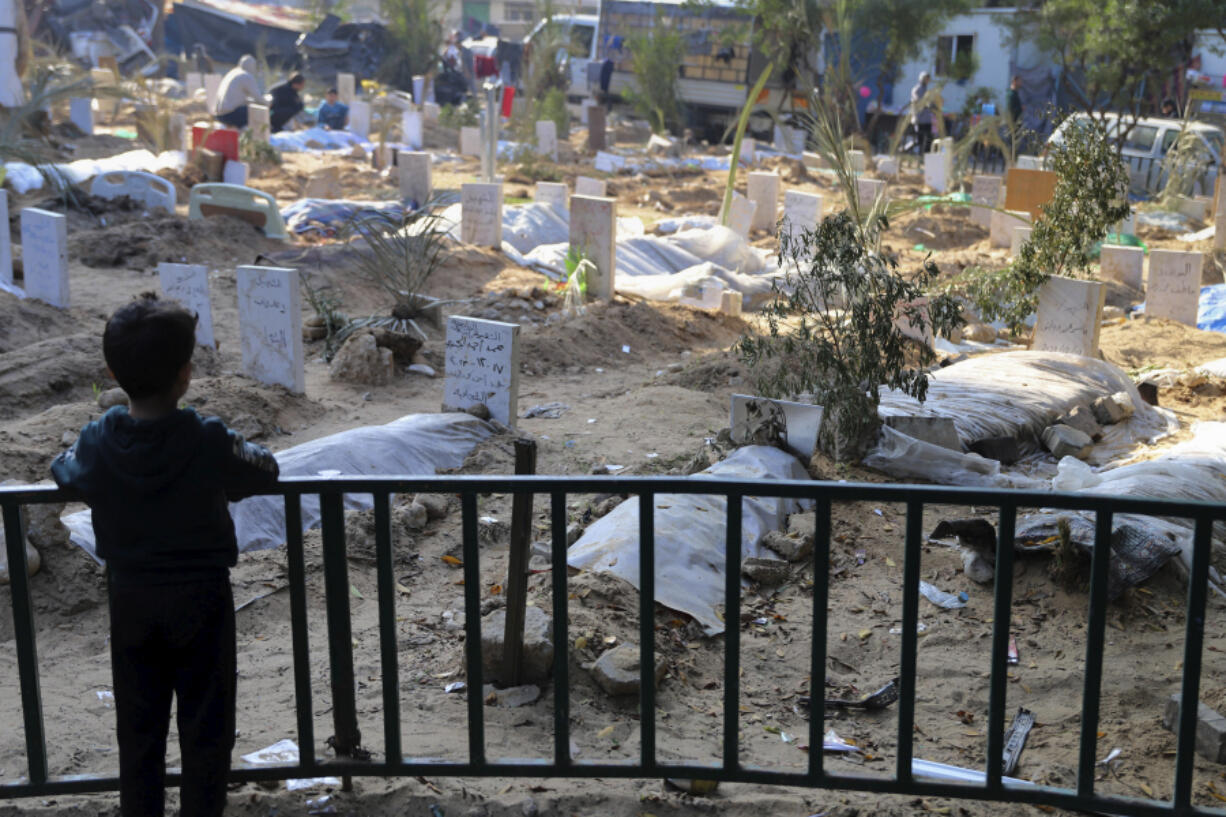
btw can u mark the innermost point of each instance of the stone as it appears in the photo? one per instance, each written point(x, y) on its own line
point(618, 671)
point(732, 303)
point(766, 572)
point(360, 360)
point(1004, 450)
point(359, 120)
point(435, 504)
point(887, 166)
point(792, 546)
point(868, 191)
point(470, 140)
point(415, 177)
point(33, 560)
point(593, 229)
point(1082, 419)
point(547, 139)
point(81, 114)
point(189, 285)
point(1114, 408)
point(44, 527)
point(270, 326)
point(763, 190)
point(939, 431)
point(259, 122)
point(573, 532)
point(481, 214)
point(482, 366)
point(1172, 289)
point(977, 568)
point(537, 661)
point(44, 256)
point(1020, 235)
point(985, 190)
point(111, 398)
point(416, 516)
point(749, 151)
point(1210, 729)
point(413, 126)
point(859, 160)
point(1069, 316)
point(801, 212)
point(596, 137)
point(608, 162)
point(235, 173)
point(346, 85)
point(1001, 224)
point(554, 194)
point(324, 183)
point(479, 410)
point(938, 170)
point(1148, 392)
point(1124, 265)
point(979, 333)
point(587, 186)
point(1065, 441)
point(404, 347)
point(741, 215)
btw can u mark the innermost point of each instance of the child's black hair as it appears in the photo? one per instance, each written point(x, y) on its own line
point(146, 343)
point(333, 91)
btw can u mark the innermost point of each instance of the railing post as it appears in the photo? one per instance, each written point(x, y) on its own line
point(296, 564)
point(910, 638)
point(472, 630)
point(817, 659)
point(647, 629)
point(388, 661)
point(732, 633)
point(1193, 655)
point(1096, 626)
point(27, 653)
point(561, 635)
point(348, 738)
point(517, 568)
point(998, 691)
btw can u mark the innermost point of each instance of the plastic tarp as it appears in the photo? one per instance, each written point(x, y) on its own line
point(1011, 394)
point(326, 216)
point(690, 535)
point(316, 139)
point(418, 444)
point(23, 177)
point(1211, 314)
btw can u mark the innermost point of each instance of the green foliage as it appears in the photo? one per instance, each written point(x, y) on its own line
point(1091, 196)
point(547, 60)
point(459, 116)
point(741, 125)
point(417, 35)
point(832, 333)
point(326, 301)
point(654, 58)
point(1185, 163)
point(256, 151)
point(553, 107)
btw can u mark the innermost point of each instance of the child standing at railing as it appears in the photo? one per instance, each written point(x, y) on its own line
point(158, 479)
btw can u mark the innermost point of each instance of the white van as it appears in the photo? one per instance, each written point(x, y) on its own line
point(1147, 144)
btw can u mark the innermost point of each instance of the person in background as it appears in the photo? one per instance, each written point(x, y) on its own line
point(333, 114)
point(285, 102)
point(1169, 109)
point(1014, 102)
point(921, 114)
point(238, 88)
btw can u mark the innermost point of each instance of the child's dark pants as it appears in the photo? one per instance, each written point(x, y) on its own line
point(173, 639)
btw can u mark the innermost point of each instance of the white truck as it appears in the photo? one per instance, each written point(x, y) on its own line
point(718, 66)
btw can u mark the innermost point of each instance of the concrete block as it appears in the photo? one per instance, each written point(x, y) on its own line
point(1210, 729)
point(1065, 441)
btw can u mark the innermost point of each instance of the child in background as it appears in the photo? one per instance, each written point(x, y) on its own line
point(333, 114)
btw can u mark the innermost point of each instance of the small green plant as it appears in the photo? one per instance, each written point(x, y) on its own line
point(578, 265)
point(1091, 195)
point(654, 59)
point(326, 302)
point(460, 116)
point(256, 151)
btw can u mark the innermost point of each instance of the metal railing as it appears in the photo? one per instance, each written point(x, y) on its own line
point(906, 780)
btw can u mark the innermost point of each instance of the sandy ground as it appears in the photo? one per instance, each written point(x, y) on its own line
point(648, 410)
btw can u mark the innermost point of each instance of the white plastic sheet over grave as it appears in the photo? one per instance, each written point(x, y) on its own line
point(690, 535)
point(23, 177)
point(417, 445)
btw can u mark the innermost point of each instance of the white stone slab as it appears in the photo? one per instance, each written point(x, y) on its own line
point(554, 193)
point(194, 82)
point(749, 150)
point(413, 128)
point(212, 84)
point(547, 138)
point(415, 176)
point(431, 111)
point(1002, 224)
point(1029, 163)
point(587, 186)
point(6, 241)
point(740, 215)
point(763, 191)
point(859, 161)
point(44, 256)
point(1126, 227)
point(801, 422)
point(1020, 236)
point(887, 166)
point(1124, 265)
point(270, 326)
point(593, 229)
point(419, 88)
point(235, 172)
point(483, 366)
point(801, 211)
point(1172, 289)
point(1219, 228)
point(868, 191)
point(985, 190)
point(608, 162)
point(909, 328)
point(346, 88)
point(1069, 316)
point(189, 285)
point(732, 303)
point(81, 114)
point(259, 122)
point(359, 119)
point(470, 141)
point(938, 170)
point(481, 214)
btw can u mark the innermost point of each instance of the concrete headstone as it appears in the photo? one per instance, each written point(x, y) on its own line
point(1069, 317)
point(801, 211)
point(44, 256)
point(887, 166)
point(189, 285)
point(763, 191)
point(938, 170)
point(414, 129)
point(593, 229)
point(547, 138)
point(81, 114)
point(193, 82)
point(608, 162)
point(470, 141)
point(749, 150)
point(554, 193)
point(431, 111)
point(415, 178)
point(270, 326)
point(1020, 236)
point(481, 214)
point(212, 84)
point(359, 119)
point(859, 160)
point(482, 364)
point(259, 122)
point(587, 186)
point(346, 88)
point(1172, 289)
point(1002, 224)
point(235, 173)
point(868, 191)
point(740, 215)
point(6, 241)
point(985, 190)
point(1124, 265)
point(419, 88)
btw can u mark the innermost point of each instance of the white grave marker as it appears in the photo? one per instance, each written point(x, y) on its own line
point(608, 162)
point(1002, 224)
point(1069, 316)
point(1173, 287)
point(270, 326)
point(413, 127)
point(419, 88)
point(470, 141)
point(346, 86)
point(359, 119)
point(985, 190)
point(801, 421)
point(44, 255)
point(547, 138)
point(81, 114)
point(587, 186)
point(904, 324)
point(481, 214)
point(740, 215)
point(189, 285)
point(1029, 163)
point(212, 84)
point(431, 111)
point(869, 190)
point(938, 169)
point(415, 178)
point(1219, 228)
point(593, 229)
point(763, 191)
point(235, 173)
point(554, 193)
point(859, 162)
point(749, 149)
point(1124, 265)
point(887, 166)
point(732, 302)
point(801, 211)
point(259, 122)
point(193, 83)
point(483, 366)
point(6, 241)
point(1020, 236)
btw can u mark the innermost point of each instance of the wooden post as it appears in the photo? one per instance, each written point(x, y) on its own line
point(517, 568)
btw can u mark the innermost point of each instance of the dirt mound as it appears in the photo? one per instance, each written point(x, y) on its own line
point(143, 244)
point(1155, 342)
point(23, 322)
point(254, 410)
point(954, 230)
point(86, 212)
point(43, 374)
point(619, 332)
point(715, 373)
point(27, 446)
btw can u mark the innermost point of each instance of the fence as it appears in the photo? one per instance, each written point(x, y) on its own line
point(907, 772)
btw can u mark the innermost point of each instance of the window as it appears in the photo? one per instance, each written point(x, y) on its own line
point(1141, 138)
point(518, 13)
point(955, 55)
point(1168, 140)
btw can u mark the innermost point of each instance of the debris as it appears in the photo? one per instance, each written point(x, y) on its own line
point(435, 504)
point(1210, 729)
point(767, 572)
point(793, 545)
point(977, 568)
point(1112, 409)
point(416, 516)
point(1014, 657)
point(1015, 739)
point(936, 430)
point(1066, 441)
point(1082, 419)
point(617, 671)
point(515, 696)
point(880, 699)
point(920, 629)
point(547, 411)
point(455, 686)
point(1073, 475)
point(940, 598)
point(1004, 450)
point(538, 644)
point(360, 360)
point(693, 786)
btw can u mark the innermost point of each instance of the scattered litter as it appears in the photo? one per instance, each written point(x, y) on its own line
point(940, 598)
point(931, 770)
point(106, 696)
point(285, 753)
point(1015, 739)
point(626, 349)
point(831, 742)
point(880, 699)
point(920, 629)
point(547, 411)
point(455, 686)
point(1013, 654)
point(422, 368)
point(591, 420)
point(1112, 755)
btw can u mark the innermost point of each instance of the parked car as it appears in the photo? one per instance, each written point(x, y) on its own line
point(1146, 145)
